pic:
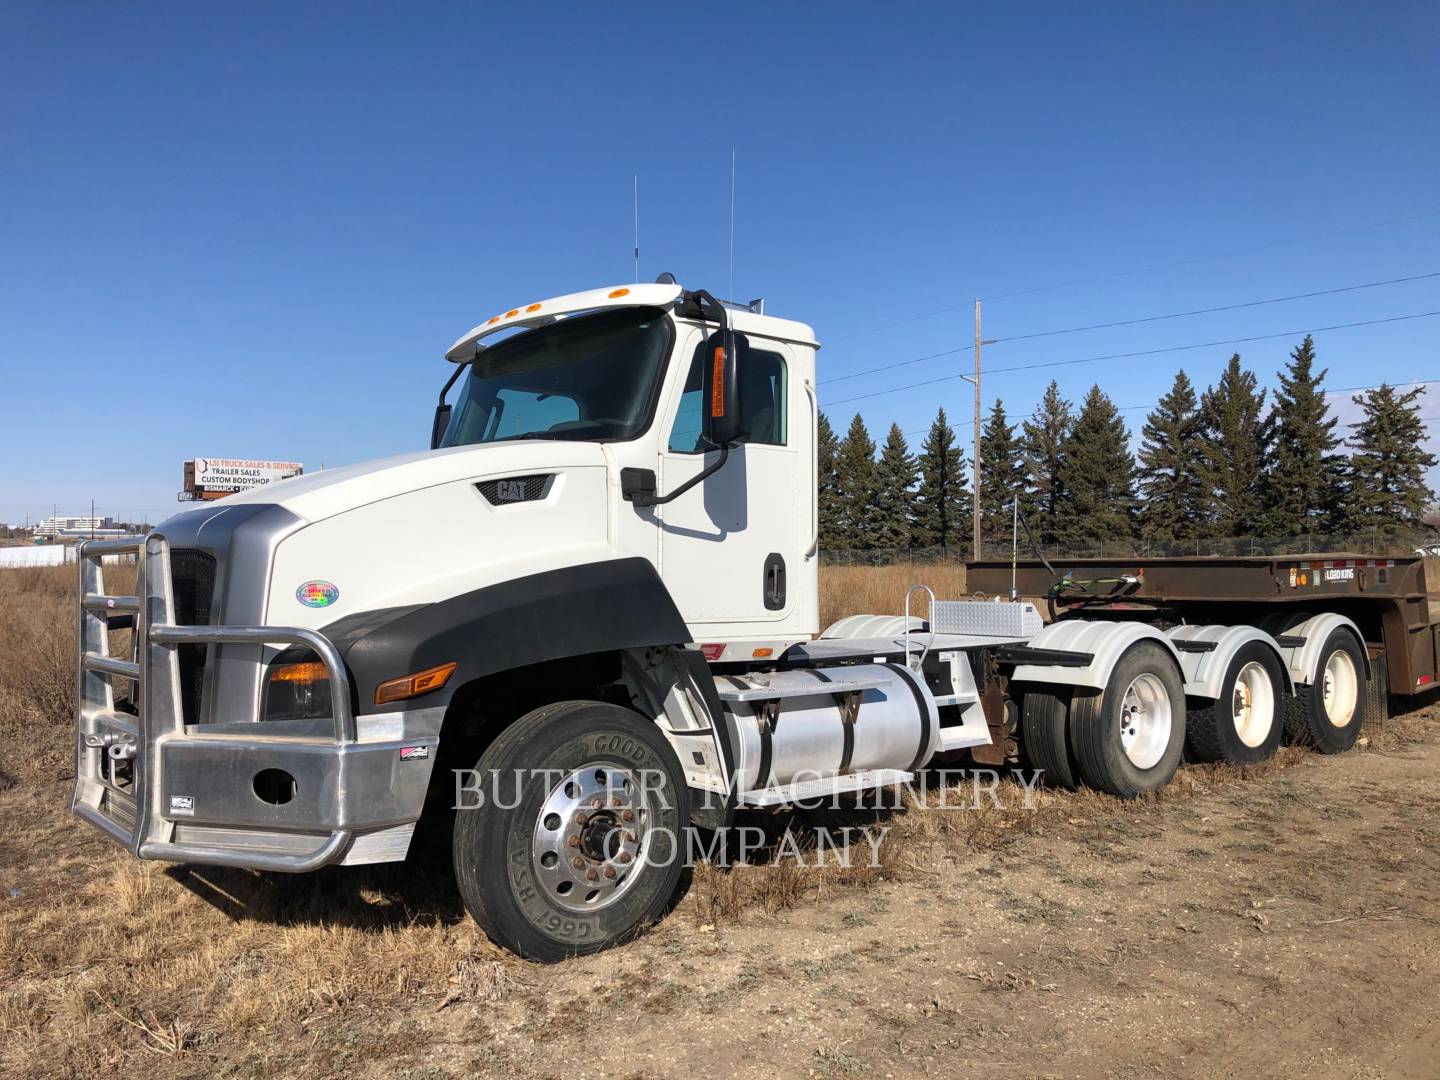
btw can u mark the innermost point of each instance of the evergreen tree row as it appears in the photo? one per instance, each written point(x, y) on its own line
point(1216, 464)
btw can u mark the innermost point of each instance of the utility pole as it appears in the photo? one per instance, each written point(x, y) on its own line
point(975, 381)
point(975, 503)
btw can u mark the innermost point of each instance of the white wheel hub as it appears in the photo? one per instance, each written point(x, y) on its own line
point(1252, 704)
point(1145, 721)
point(1340, 688)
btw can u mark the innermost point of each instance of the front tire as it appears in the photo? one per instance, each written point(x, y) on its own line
point(1128, 738)
point(1329, 713)
point(579, 842)
point(1244, 725)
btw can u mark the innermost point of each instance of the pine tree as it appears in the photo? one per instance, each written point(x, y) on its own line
point(1098, 472)
point(1389, 462)
point(1169, 474)
point(1044, 441)
point(942, 505)
point(855, 486)
point(1304, 478)
point(1232, 452)
point(827, 448)
point(1002, 474)
point(895, 477)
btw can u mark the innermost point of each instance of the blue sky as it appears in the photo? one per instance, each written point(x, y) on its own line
point(252, 230)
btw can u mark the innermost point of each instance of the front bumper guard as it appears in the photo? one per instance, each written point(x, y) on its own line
point(120, 755)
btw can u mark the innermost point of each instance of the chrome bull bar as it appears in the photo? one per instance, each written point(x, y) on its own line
point(118, 754)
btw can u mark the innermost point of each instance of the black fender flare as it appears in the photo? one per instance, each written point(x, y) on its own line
point(571, 611)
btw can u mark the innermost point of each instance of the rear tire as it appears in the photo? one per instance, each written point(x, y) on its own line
point(1329, 713)
point(585, 844)
point(1045, 735)
point(1243, 726)
point(1128, 739)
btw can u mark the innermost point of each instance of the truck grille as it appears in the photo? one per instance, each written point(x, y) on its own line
point(192, 577)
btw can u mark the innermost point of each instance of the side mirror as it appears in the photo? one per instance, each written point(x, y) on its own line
point(442, 421)
point(720, 425)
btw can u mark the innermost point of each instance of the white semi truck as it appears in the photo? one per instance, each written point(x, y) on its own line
point(594, 602)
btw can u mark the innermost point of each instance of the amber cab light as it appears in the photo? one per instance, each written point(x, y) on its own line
point(408, 686)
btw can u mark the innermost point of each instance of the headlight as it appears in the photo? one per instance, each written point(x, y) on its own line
point(297, 687)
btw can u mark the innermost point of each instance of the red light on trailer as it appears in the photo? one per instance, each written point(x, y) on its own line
point(712, 652)
point(1423, 680)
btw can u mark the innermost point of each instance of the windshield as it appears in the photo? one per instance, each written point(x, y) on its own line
point(591, 378)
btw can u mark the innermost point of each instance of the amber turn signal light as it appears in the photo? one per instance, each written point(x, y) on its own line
point(408, 686)
point(311, 671)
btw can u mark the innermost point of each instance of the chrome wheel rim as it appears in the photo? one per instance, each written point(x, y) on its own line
point(1145, 721)
point(592, 836)
point(1340, 688)
point(1252, 704)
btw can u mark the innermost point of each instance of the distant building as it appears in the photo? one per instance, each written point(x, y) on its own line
point(71, 526)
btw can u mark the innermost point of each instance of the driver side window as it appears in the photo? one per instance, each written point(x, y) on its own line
point(762, 399)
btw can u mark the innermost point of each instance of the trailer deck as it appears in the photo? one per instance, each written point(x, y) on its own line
point(1394, 600)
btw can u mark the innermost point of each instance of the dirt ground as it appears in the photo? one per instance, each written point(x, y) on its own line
point(1279, 922)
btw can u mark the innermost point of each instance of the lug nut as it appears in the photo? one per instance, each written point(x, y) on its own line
point(630, 838)
point(581, 819)
point(628, 816)
point(572, 841)
point(623, 857)
point(597, 802)
point(577, 862)
point(610, 871)
point(592, 875)
point(615, 800)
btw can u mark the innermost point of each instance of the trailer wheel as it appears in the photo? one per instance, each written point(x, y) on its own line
point(1329, 713)
point(578, 839)
point(1128, 739)
point(1045, 735)
point(1245, 723)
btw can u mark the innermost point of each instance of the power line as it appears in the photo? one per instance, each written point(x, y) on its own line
point(1142, 270)
point(1133, 322)
point(1213, 310)
point(1142, 352)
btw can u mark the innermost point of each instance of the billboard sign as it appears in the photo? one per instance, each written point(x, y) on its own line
point(214, 477)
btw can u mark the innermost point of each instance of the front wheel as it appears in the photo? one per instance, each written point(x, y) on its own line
point(577, 840)
point(1128, 738)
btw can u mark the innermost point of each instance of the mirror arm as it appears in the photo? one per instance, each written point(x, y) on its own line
point(642, 499)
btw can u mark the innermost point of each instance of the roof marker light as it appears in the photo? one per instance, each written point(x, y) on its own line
point(532, 307)
point(615, 294)
point(512, 313)
point(492, 320)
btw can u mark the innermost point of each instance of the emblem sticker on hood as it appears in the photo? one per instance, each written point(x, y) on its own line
point(317, 593)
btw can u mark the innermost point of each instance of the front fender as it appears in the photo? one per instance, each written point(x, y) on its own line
point(568, 611)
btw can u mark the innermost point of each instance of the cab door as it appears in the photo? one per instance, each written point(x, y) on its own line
point(729, 547)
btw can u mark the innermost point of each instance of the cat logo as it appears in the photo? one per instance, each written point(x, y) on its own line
point(510, 490)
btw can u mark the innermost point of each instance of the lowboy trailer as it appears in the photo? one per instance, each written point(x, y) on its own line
point(588, 619)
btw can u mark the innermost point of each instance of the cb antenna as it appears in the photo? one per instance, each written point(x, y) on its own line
point(731, 292)
point(637, 228)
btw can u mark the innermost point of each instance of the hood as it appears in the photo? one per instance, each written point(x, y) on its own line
point(319, 495)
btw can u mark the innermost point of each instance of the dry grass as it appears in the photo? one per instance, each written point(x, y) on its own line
point(108, 964)
point(880, 590)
